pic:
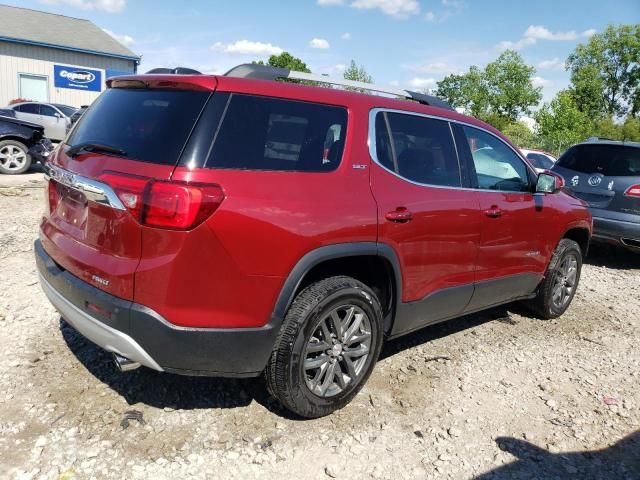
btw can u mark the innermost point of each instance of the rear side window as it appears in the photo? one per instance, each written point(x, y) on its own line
point(29, 108)
point(417, 148)
point(609, 160)
point(263, 133)
point(149, 125)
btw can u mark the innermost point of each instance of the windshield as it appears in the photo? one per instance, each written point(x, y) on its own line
point(66, 109)
point(609, 160)
point(150, 125)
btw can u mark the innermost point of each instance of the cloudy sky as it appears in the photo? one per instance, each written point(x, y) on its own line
point(410, 43)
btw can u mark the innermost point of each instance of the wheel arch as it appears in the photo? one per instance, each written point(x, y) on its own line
point(355, 259)
point(581, 236)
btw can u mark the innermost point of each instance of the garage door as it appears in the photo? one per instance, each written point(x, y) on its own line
point(33, 87)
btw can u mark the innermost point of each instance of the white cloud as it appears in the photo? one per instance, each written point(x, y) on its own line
point(533, 33)
point(330, 2)
point(247, 47)
point(110, 6)
point(422, 83)
point(126, 40)
point(346, 36)
point(394, 8)
point(319, 43)
point(540, 82)
point(430, 17)
point(553, 64)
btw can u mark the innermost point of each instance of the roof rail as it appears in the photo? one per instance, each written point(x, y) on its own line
point(175, 71)
point(266, 72)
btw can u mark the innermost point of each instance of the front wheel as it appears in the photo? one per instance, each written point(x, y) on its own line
point(14, 157)
point(561, 281)
point(328, 345)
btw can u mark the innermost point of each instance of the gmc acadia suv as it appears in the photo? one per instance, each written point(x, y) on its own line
point(237, 225)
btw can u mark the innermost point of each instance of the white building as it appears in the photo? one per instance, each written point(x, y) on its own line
point(57, 59)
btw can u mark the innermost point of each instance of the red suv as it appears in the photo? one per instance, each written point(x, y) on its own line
point(237, 225)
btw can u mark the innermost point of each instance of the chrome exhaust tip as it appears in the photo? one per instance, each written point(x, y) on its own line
point(123, 364)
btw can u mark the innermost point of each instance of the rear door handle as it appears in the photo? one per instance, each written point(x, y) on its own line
point(493, 212)
point(399, 215)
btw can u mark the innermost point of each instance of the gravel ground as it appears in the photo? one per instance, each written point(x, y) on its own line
point(495, 395)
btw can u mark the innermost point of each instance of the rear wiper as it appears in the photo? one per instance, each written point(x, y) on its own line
point(94, 147)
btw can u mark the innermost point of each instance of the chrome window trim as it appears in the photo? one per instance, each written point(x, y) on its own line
point(95, 191)
point(371, 142)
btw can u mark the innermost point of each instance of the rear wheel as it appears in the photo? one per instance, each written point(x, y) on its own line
point(561, 281)
point(14, 157)
point(329, 343)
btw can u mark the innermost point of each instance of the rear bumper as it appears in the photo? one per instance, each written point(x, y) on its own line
point(616, 231)
point(140, 334)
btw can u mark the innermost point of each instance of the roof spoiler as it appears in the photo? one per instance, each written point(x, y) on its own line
point(174, 71)
point(265, 72)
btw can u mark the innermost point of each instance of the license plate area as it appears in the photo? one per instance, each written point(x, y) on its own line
point(72, 208)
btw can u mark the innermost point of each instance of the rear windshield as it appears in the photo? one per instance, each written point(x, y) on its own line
point(149, 125)
point(609, 160)
point(263, 133)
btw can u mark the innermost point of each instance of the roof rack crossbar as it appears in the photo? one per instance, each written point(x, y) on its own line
point(265, 72)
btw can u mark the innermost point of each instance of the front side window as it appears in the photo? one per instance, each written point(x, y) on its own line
point(48, 111)
point(497, 166)
point(417, 148)
point(263, 133)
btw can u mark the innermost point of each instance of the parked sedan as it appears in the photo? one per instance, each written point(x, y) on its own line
point(606, 175)
point(20, 144)
point(539, 159)
point(54, 117)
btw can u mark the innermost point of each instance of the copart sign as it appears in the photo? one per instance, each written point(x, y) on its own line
point(77, 78)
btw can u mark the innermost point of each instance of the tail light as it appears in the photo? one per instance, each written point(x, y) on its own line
point(171, 205)
point(52, 196)
point(633, 191)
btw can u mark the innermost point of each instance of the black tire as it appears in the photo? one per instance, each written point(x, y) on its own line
point(544, 304)
point(286, 378)
point(25, 164)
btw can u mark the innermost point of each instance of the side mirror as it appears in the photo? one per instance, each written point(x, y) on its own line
point(57, 115)
point(549, 182)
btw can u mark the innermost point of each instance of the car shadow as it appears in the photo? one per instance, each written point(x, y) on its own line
point(620, 461)
point(449, 327)
point(612, 256)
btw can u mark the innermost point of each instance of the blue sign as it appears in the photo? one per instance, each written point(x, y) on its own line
point(77, 78)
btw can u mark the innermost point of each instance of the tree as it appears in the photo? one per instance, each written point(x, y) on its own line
point(561, 123)
point(357, 74)
point(499, 94)
point(605, 72)
point(286, 60)
point(520, 134)
point(467, 91)
point(509, 82)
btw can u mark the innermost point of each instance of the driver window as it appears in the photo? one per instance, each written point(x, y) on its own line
point(497, 166)
point(47, 111)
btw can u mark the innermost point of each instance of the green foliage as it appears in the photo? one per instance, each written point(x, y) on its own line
point(499, 94)
point(466, 91)
point(605, 72)
point(286, 60)
point(509, 82)
point(561, 123)
point(357, 74)
point(520, 134)
point(627, 130)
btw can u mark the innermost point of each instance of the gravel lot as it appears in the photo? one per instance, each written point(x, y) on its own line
point(496, 395)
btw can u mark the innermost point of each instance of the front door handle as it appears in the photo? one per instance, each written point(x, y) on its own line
point(399, 215)
point(493, 212)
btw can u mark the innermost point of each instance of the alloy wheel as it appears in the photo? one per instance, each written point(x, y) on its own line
point(336, 354)
point(565, 281)
point(12, 157)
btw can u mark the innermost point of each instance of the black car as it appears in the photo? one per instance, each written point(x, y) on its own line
point(21, 143)
point(606, 175)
